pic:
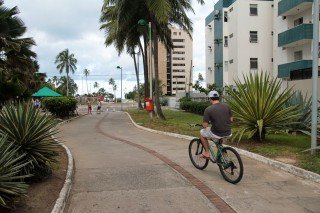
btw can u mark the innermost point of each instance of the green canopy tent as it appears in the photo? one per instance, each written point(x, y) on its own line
point(46, 92)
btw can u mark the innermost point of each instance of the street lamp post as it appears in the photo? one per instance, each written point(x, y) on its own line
point(118, 67)
point(143, 22)
point(315, 69)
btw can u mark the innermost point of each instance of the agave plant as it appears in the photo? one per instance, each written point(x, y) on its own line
point(11, 184)
point(305, 104)
point(258, 106)
point(30, 132)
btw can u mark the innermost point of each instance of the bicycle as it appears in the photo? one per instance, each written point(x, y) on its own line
point(227, 158)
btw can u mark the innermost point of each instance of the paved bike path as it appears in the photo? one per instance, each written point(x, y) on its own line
point(111, 173)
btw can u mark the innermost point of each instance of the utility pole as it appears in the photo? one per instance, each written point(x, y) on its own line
point(315, 70)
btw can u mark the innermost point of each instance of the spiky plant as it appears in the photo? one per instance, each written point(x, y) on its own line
point(11, 163)
point(305, 104)
point(30, 132)
point(258, 106)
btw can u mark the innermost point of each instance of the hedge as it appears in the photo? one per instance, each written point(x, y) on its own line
point(194, 107)
point(60, 106)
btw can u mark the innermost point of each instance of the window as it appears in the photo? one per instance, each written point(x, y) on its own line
point(174, 33)
point(253, 36)
point(178, 58)
point(177, 65)
point(298, 55)
point(226, 41)
point(231, 35)
point(284, 17)
point(225, 16)
point(178, 40)
point(177, 70)
point(178, 52)
point(231, 9)
point(253, 63)
point(253, 9)
point(298, 21)
point(179, 33)
point(231, 61)
point(178, 46)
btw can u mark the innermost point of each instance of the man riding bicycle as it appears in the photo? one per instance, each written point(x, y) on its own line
point(220, 117)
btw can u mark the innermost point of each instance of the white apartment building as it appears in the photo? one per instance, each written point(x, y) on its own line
point(209, 46)
point(274, 36)
point(175, 66)
point(293, 28)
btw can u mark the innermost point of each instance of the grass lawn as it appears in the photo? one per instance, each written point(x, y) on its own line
point(286, 148)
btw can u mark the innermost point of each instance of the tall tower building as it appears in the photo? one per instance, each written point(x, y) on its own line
point(175, 66)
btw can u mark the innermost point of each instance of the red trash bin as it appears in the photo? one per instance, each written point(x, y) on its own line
point(149, 104)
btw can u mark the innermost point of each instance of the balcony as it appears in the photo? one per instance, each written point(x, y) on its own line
point(298, 35)
point(293, 7)
point(284, 70)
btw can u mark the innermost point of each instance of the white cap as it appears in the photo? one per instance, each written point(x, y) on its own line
point(213, 94)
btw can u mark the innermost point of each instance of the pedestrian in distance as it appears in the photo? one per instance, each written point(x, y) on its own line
point(99, 104)
point(89, 107)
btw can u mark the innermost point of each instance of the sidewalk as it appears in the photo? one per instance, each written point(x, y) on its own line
point(114, 176)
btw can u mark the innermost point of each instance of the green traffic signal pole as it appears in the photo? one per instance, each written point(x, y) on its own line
point(143, 22)
point(315, 70)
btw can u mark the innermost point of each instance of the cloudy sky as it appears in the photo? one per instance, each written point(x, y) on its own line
point(74, 24)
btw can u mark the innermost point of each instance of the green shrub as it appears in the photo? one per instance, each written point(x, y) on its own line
point(164, 101)
point(194, 107)
point(11, 184)
point(60, 106)
point(259, 106)
point(29, 131)
point(304, 106)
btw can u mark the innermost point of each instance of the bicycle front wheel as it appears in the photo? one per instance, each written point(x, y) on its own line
point(195, 150)
point(230, 165)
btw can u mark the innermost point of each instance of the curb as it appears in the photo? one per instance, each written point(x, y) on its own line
point(276, 164)
point(65, 191)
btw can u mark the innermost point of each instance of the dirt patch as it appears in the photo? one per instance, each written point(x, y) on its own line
point(42, 196)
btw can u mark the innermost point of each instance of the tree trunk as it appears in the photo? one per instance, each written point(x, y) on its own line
point(156, 72)
point(138, 84)
point(87, 85)
point(145, 63)
point(67, 84)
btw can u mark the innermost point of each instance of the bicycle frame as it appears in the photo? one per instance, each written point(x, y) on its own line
point(215, 156)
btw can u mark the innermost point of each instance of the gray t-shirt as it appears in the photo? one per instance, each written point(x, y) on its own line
point(219, 115)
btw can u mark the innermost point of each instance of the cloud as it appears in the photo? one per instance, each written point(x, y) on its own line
point(74, 24)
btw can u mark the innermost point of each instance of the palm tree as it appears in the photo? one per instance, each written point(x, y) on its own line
point(114, 87)
point(67, 62)
point(55, 80)
point(86, 72)
point(124, 31)
point(17, 60)
point(96, 85)
point(67, 84)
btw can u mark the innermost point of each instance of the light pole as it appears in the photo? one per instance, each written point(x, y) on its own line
point(315, 68)
point(118, 67)
point(143, 22)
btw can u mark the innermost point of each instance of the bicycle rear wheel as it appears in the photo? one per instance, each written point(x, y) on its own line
point(195, 150)
point(230, 165)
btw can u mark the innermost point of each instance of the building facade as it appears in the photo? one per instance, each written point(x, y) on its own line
point(209, 47)
point(293, 27)
point(273, 36)
point(175, 66)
